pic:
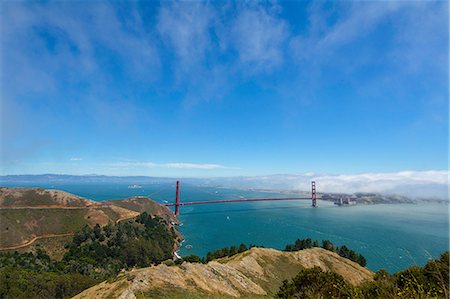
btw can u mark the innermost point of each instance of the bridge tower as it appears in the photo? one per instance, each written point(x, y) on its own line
point(313, 194)
point(177, 200)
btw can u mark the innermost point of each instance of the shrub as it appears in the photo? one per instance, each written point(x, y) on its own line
point(314, 283)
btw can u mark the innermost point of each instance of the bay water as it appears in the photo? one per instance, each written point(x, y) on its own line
point(390, 236)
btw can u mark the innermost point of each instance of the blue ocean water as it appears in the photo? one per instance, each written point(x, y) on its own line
point(390, 236)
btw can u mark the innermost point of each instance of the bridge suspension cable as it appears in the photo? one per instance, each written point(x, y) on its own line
point(178, 202)
point(160, 190)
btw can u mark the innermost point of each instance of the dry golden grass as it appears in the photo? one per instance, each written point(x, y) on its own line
point(257, 272)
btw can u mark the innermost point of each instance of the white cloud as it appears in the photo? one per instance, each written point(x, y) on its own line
point(413, 40)
point(193, 166)
point(178, 165)
point(185, 27)
point(360, 21)
point(392, 44)
point(213, 45)
point(414, 184)
point(52, 47)
point(355, 20)
point(76, 159)
point(433, 183)
point(258, 36)
point(75, 30)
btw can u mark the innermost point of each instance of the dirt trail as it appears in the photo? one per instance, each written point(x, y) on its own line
point(52, 207)
point(125, 218)
point(126, 214)
point(28, 243)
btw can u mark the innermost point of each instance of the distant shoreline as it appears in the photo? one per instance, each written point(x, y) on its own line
point(359, 197)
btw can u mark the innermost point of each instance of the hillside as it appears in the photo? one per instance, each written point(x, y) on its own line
point(37, 197)
point(32, 216)
point(143, 204)
point(254, 273)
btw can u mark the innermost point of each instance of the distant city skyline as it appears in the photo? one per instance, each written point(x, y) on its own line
point(215, 89)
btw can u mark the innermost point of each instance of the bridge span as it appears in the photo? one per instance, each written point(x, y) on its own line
point(177, 204)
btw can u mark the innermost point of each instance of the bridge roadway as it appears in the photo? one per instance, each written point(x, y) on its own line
point(177, 204)
point(233, 200)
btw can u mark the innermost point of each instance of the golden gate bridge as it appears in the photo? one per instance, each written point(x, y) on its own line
point(177, 204)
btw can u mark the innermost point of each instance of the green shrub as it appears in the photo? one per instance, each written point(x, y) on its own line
point(314, 283)
point(20, 283)
point(430, 281)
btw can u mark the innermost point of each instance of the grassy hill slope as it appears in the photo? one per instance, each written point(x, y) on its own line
point(37, 197)
point(31, 216)
point(143, 204)
point(255, 273)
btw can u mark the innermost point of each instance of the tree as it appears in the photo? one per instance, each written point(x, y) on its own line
point(97, 231)
point(308, 243)
point(327, 245)
point(361, 260)
point(314, 283)
point(108, 230)
point(242, 248)
point(289, 247)
point(192, 259)
point(299, 244)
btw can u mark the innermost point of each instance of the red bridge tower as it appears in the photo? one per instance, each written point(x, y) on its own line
point(313, 194)
point(177, 199)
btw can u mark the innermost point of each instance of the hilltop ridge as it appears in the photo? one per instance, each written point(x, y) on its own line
point(38, 197)
point(253, 273)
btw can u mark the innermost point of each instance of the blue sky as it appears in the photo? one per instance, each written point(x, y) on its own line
point(222, 88)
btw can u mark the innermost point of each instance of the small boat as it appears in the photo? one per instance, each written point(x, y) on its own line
point(134, 187)
point(189, 246)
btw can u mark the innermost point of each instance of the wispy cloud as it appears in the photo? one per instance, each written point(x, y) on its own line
point(50, 56)
point(92, 70)
point(184, 27)
point(389, 46)
point(215, 46)
point(193, 166)
point(258, 35)
point(178, 165)
point(187, 31)
point(76, 159)
point(324, 38)
point(44, 39)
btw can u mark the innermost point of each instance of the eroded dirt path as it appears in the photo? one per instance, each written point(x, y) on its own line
point(28, 243)
point(52, 207)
